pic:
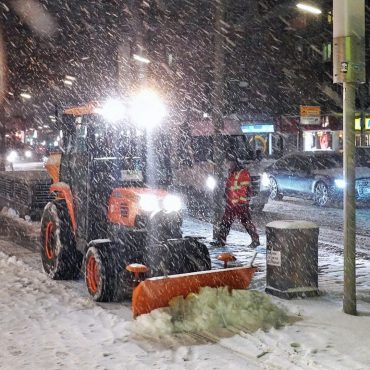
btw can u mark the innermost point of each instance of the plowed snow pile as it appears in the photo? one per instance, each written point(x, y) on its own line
point(211, 310)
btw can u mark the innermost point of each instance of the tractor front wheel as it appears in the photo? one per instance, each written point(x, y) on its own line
point(60, 258)
point(106, 277)
point(100, 276)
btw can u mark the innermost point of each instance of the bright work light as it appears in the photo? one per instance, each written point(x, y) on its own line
point(113, 110)
point(147, 109)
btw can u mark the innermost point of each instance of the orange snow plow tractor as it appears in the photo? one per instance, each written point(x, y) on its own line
point(114, 218)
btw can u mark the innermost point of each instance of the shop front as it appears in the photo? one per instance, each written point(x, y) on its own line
point(259, 136)
point(366, 133)
point(327, 135)
point(323, 140)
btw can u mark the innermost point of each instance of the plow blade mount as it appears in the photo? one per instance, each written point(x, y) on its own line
point(157, 292)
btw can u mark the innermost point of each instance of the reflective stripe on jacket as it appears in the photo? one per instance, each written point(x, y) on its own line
point(237, 187)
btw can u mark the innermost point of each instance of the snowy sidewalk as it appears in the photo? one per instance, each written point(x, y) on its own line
point(50, 325)
point(330, 260)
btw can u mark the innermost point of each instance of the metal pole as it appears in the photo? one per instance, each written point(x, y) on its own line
point(349, 69)
point(349, 201)
point(217, 117)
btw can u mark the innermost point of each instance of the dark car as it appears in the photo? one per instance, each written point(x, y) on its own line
point(318, 176)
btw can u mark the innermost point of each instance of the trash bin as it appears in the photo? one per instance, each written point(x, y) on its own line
point(292, 258)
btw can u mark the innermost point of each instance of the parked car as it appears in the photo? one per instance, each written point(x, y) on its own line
point(317, 175)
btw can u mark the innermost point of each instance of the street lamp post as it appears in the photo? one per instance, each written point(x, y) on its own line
point(349, 69)
point(217, 116)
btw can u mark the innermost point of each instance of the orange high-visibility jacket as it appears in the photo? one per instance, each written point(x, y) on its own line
point(237, 187)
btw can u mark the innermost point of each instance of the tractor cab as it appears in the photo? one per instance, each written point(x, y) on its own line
point(99, 156)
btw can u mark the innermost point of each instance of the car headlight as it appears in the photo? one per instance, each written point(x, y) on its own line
point(12, 156)
point(28, 154)
point(211, 182)
point(340, 183)
point(265, 181)
point(172, 203)
point(149, 203)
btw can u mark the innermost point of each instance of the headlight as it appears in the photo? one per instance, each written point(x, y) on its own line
point(211, 182)
point(147, 109)
point(28, 154)
point(12, 156)
point(265, 181)
point(148, 203)
point(172, 203)
point(340, 183)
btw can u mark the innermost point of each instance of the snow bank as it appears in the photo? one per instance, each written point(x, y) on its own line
point(10, 212)
point(211, 310)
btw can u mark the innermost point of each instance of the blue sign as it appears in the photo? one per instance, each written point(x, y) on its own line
point(257, 128)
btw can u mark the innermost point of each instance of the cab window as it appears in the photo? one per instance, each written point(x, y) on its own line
point(81, 135)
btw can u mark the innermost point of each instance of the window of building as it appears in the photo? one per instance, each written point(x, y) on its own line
point(327, 52)
point(330, 17)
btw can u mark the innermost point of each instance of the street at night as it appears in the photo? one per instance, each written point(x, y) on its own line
point(184, 184)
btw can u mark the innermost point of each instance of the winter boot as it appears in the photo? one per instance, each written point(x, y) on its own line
point(254, 244)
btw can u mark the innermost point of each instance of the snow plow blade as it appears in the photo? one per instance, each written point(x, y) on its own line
point(157, 292)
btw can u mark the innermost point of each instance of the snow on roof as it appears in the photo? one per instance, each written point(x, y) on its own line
point(292, 224)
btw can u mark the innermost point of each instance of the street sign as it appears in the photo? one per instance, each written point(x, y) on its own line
point(310, 120)
point(310, 115)
point(310, 111)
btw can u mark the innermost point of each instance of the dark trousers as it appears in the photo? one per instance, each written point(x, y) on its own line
point(243, 214)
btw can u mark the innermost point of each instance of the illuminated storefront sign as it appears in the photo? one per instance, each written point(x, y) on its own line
point(358, 124)
point(257, 128)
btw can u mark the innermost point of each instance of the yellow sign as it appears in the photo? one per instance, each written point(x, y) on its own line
point(309, 111)
point(358, 124)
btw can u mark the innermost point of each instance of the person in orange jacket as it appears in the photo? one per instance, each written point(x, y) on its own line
point(237, 204)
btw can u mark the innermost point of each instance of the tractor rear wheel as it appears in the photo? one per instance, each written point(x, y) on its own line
point(60, 258)
point(106, 276)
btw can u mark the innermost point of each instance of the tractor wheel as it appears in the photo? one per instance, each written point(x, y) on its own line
point(60, 258)
point(106, 276)
point(177, 256)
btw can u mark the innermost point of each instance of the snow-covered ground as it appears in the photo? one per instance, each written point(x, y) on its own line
point(55, 325)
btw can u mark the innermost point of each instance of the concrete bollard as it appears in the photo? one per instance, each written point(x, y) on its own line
point(292, 258)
